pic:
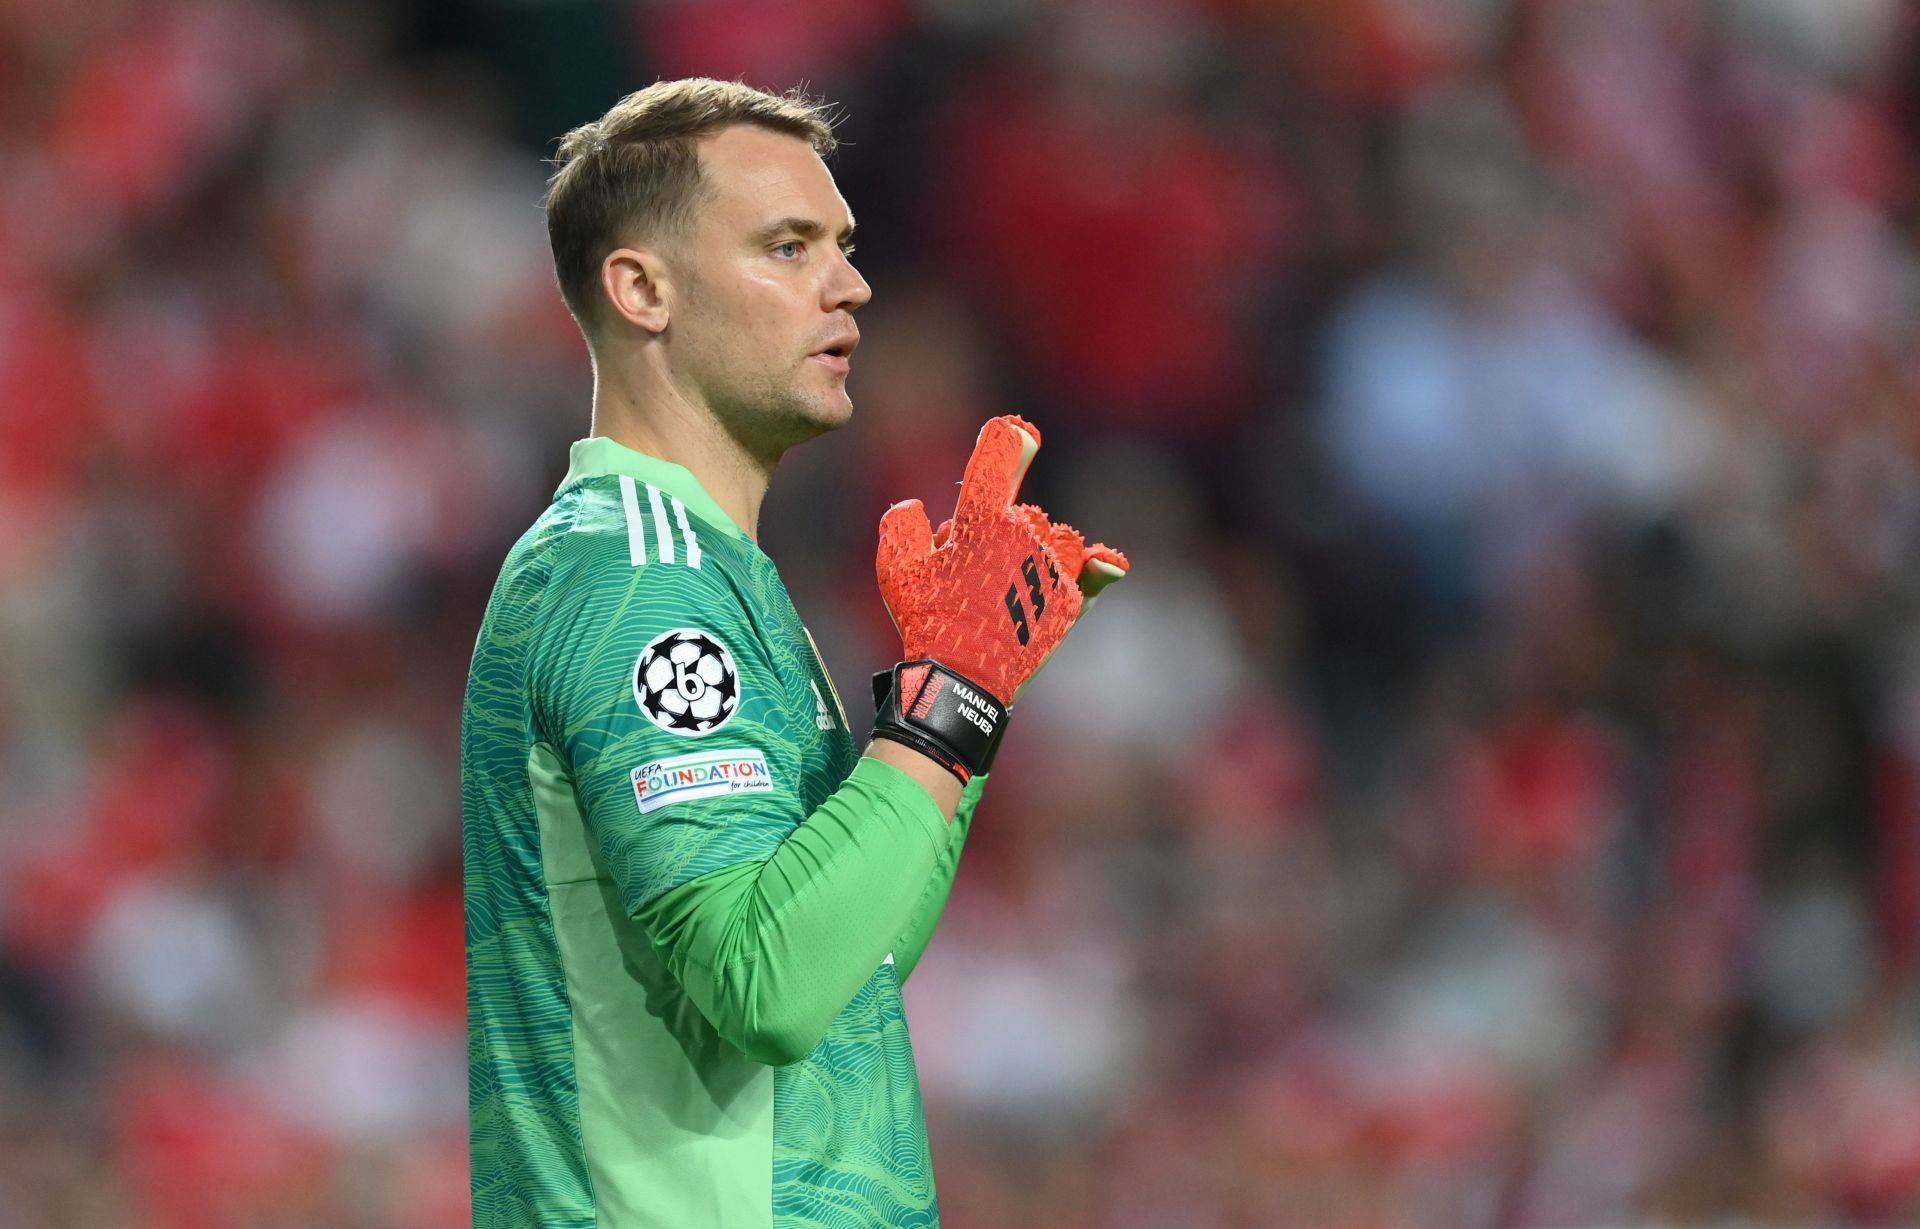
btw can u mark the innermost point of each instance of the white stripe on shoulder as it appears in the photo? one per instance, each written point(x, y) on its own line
point(636, 541)
point(686, 532)
point(662, 536)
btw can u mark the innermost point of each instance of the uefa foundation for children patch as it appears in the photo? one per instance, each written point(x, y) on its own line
point(686, 682)
point(703, 774)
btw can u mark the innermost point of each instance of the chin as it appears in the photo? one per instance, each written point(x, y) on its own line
point(817, 412)
point(836, 412)
point(819, 422)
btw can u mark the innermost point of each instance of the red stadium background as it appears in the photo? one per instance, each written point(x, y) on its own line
point(1494, 801)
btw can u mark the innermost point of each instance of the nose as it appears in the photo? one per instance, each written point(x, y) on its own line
point(846, 290)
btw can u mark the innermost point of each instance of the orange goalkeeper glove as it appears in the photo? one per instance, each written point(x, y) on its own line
point(1094, 567)
point(979, 605)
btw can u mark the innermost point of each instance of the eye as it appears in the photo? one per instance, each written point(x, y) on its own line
point(790, 250)
point(846, 249)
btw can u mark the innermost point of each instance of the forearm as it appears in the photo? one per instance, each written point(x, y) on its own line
point(942, 786)
point(933, 902)
point(772, 951)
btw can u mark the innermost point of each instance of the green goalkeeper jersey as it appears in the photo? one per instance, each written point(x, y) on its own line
point(690, 905)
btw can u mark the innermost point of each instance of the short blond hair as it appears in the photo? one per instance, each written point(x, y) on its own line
point(634, 173)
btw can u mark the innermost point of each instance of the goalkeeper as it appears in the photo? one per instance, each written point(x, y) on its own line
point(690, 899)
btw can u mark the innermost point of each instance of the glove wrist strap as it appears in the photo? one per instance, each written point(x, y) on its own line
point(944, 716)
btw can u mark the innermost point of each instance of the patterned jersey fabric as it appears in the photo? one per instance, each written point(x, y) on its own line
point(645, 709)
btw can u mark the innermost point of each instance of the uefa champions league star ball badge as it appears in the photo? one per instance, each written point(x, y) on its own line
point(686, 683)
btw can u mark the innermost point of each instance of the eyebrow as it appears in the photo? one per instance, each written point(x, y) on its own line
point(805, 228)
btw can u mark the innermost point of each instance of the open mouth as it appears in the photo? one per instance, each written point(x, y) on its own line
point(835, 356)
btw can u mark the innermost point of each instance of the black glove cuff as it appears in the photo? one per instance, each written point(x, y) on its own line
point(940, 714)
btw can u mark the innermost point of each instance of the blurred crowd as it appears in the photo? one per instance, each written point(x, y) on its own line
point(1492, 803)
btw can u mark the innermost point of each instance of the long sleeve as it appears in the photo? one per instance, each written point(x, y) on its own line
point(771, 950)
point(933, 902)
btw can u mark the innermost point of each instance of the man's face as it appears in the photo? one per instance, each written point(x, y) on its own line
point(762, 328)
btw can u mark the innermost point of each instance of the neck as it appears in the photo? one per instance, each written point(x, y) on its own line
point(655, 417)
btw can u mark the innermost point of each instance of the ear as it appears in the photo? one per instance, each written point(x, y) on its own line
point(635, 283)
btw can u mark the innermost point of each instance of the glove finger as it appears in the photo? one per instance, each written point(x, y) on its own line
point(905, 536)
point(1104, 566)
point(1036, 521)
point(1069, 547)
point(1062, 576)
point(1000, 458)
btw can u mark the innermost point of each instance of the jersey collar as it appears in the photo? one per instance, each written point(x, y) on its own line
point(597, 455)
